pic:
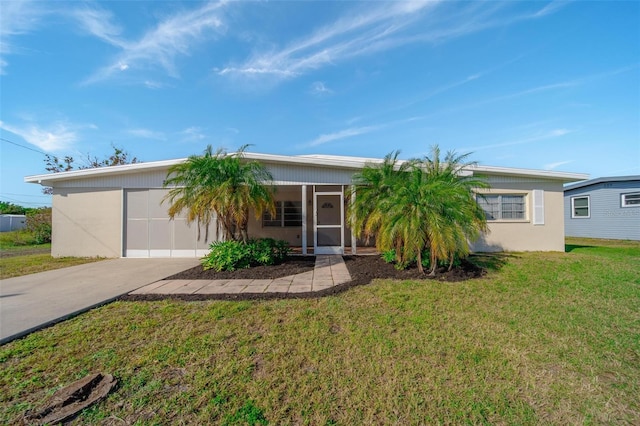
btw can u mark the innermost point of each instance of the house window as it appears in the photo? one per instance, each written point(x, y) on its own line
point(503, 207)
point(580, 207)
point(631, 200)
point(288, 213)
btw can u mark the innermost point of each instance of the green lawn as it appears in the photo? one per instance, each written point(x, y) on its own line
point(549, 338)
point(15, 266)
point(21, 255)
point(19, 240)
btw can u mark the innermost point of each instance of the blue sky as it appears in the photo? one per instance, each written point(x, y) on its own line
point(543, 85)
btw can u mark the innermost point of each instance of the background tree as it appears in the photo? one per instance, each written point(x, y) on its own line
point(220, 184)
point(10, 208)
point(39, 224)
point(418, 206)
point(54, 164)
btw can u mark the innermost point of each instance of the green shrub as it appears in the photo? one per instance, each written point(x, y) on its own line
point(426, 259)
point(389, 256)
point(233, 255)
point(39, 225)
point(267, 251)
point(226, 256)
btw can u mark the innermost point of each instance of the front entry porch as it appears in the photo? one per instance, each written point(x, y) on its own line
point(312, 219)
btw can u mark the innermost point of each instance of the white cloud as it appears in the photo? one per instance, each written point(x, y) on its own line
point(342, 134)
point(379, 27)
point(557, 164)
point(97, 22)
point(347, 37)
point(319, 88)
point(355, 131)
point(192, 134)
point(150, 84)
point(17, 18)
point(555, 133)
point(159, 47)
point(549, 8)
point(58, 136)
point(554, 86)
point(147, 134)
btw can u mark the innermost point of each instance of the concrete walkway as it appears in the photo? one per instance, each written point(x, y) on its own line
point(34, 301)
point(329, 271)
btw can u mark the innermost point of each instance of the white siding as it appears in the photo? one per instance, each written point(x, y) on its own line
point(151, 179)
point(283, 174)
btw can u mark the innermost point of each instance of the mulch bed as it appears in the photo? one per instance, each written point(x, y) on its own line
point(292, 265)
point(363, 270)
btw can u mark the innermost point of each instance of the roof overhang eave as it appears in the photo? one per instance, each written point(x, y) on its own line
point(331, 162)
point(564, 177)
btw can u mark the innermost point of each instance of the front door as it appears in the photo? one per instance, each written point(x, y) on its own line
point(328, 223)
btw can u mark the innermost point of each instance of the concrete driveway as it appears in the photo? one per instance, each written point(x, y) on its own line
point(33, 301)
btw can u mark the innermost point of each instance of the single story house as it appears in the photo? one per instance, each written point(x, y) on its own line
point(606, 207)
point(118, 211)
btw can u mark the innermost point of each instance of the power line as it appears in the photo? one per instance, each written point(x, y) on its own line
point(24, 195)
point(23, 146)
point(21, 202)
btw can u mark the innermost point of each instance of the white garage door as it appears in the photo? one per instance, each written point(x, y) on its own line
point(150, 233)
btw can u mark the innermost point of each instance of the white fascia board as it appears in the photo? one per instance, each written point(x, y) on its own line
point(531, 173)
point(46, 179)
point(99, 171)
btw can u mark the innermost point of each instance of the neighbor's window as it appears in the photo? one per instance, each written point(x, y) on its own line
point(631, 200)
point(503, 207)
point(288, 213)
point(580, 207)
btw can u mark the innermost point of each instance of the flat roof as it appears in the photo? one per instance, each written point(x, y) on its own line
point(329, 161)
point(601, 180)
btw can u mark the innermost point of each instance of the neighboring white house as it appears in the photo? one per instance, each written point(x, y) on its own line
point(118, 211)
point(606, 207)
point(12, 222)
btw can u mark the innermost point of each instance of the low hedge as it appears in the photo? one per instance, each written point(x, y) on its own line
point(233, 255)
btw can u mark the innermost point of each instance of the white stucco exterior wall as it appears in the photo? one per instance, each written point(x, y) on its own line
point(86, 222)
point(523, 235)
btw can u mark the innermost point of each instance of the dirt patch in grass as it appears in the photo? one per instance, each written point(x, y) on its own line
point(24, 251)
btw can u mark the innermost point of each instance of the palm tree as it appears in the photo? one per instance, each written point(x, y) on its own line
point(460, 218)
point(221, 185)
point(418, 205)
point(375, 184)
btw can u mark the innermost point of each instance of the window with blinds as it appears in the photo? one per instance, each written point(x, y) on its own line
point(503, 207)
